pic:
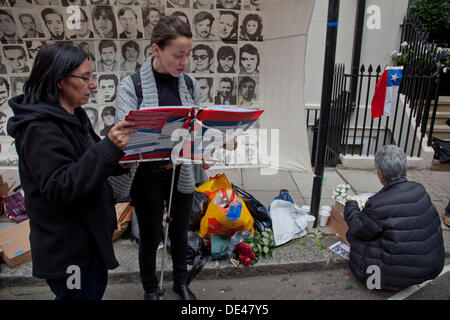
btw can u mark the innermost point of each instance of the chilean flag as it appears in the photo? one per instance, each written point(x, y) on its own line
point(385, 96)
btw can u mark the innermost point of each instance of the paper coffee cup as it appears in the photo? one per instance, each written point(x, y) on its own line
point(323, 218)
point(326, 208)
point(305, 209)
point(310, 219)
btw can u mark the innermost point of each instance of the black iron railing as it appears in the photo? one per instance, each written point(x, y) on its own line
point(351, 128)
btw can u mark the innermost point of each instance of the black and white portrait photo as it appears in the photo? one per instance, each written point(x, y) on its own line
point(178, 3)
point(203, 4)
point(54, 22)
point(251, 28)
point(17, 83)
point(125, 2)
point(227, 26)
point(88, 47)
point(3, 69)
point(4, 94)
point(30, 24)
point(100, 2)
point(249, 59)
point(129, 23)
point(16, 58)
point(81, 25)
point(107, 56)
point(206, 89)
point(180, 15)
point(107, 119)
point(226, 59)
point(8, 153)
point(228, 4)
point(104, 22)
point(8, 27)
point(47, 3)
point(202, 59)
point(107, 85)
point(33, 46)
point(67, 3)
point(247, 91)
point(226, 91)
point(202, 26)
point(158, 4)
point(131, 56)
point(92, 113)
point(252, 5)
point(150, 18)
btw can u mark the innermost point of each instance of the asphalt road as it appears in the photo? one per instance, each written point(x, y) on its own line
point(337, 284)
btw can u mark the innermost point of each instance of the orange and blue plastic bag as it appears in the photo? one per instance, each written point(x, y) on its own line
point(226, 214)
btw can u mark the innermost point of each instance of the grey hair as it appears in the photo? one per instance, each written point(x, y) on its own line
point(391, 161)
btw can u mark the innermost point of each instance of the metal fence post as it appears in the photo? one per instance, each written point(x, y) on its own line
point(325, 104)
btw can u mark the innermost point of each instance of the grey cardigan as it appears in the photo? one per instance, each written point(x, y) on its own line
point(190, 175)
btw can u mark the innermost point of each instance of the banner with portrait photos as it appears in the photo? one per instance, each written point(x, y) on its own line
point(247, 53)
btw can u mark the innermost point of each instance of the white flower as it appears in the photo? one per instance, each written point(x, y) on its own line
point(445, 70)
point(340, 193)
point(404, 44)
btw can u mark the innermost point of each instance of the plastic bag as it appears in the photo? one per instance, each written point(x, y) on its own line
point(237, 238)
point(214, 184)
point(199, 207)
point(226, 215)
point(219, 246)
point(15, 207)
point(441, 150)
point(258, 211)
point(288, 220)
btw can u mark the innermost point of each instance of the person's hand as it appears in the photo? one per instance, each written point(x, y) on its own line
point(206, 166)
point(120, 133)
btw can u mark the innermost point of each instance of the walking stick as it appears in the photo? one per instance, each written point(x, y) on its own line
point(166, 233)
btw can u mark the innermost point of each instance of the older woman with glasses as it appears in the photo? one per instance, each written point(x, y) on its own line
point(64, 167)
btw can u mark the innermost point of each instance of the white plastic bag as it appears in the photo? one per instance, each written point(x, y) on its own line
point(288, 221)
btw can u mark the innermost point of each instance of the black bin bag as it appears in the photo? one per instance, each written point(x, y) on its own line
point(257, 209)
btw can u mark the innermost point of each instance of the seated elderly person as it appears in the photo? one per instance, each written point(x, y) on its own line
point(399, 229)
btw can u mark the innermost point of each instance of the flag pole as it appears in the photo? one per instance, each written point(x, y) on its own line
point(325, 104)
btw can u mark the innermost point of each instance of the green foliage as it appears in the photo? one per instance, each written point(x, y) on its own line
point(262, 244)
point(434, 15)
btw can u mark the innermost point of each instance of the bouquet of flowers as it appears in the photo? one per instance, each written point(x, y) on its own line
point(340, 193)
point(245, 253)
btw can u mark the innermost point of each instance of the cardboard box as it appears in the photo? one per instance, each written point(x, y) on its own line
point(15, 244)
point(337, 221)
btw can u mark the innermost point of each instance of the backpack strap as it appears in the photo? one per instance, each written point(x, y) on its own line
point(136, 77)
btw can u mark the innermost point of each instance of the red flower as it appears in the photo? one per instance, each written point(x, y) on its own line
point(245, 253)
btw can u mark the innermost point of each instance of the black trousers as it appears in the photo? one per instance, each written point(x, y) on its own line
point(93, 281)
point(150, 192)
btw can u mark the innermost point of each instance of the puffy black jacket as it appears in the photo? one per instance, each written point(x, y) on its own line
point(399, 230)
point(63, 168)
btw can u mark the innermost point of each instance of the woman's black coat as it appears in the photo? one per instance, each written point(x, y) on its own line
point(399, 230)
point(63, 168)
